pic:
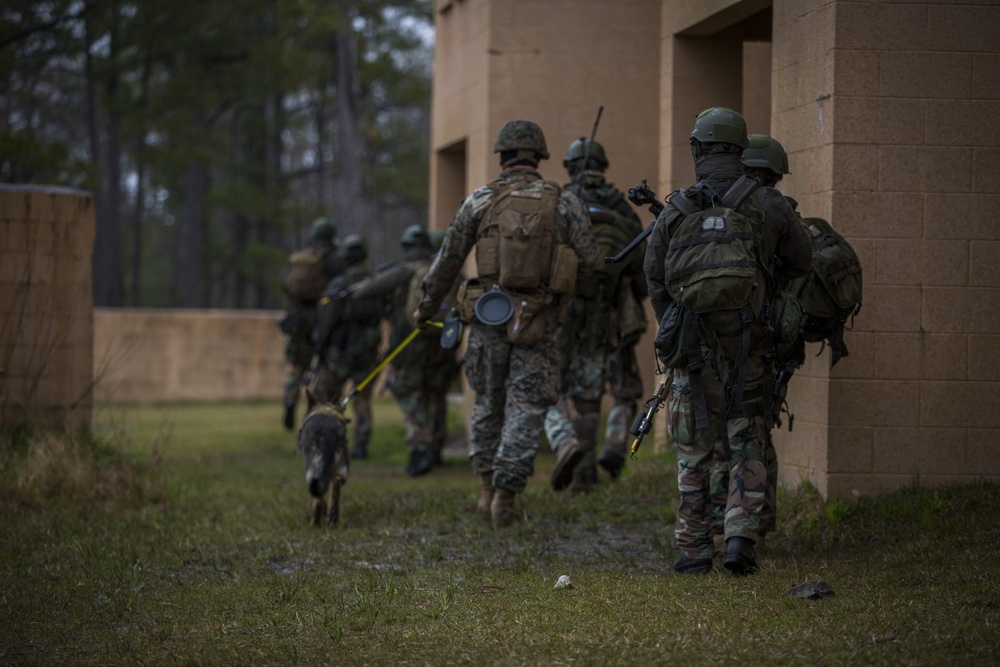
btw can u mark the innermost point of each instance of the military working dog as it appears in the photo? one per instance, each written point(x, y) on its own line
point(322, 441)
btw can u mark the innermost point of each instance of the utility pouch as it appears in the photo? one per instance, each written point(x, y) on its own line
point(527, 326)
point(565, 265)
point(669, 341)
point(468, 294)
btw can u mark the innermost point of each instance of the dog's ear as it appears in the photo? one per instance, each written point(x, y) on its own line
point(310, 399)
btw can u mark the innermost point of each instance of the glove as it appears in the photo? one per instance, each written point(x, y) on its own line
point(421, 315)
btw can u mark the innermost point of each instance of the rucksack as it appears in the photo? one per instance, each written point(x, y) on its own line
point(304, 278)
point(831, 291)
point(515, 245)
point(612, 232)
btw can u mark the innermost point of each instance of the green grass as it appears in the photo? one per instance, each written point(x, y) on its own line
point(209, 560)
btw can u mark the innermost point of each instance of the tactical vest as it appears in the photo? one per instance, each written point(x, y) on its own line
point(515, 244)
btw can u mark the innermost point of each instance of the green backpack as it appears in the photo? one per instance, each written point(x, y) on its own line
point(831, 292)
point(711, 262)
point(612, 233)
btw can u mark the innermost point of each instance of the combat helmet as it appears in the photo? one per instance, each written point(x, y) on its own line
point(415, 235)
point(322, 229)
point(354, 249)
point(766, 153)
point(720, 124)
point(578, 149)
point(521, 135)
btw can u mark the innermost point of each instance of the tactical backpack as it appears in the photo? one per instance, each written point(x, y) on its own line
point(304, 279)
point(831, 291)
point(713, 275)
point(515, 245)
point(612, 232)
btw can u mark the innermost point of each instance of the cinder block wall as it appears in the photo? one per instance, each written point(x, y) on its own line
point(46, 305)
point(889, 112)
point(165, 356)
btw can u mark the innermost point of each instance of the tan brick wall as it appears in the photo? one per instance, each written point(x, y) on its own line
point(166, 356)
point(46, 305)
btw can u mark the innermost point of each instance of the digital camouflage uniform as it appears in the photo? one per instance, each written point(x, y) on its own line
point(421, 373)
point(300, 319)
point(349, 336)
point(513, 384)
point(787, 250)
point(598, 353)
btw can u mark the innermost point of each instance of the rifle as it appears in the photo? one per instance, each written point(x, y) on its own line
point(640, 195)
point(593, 133)
point(644, 420)
point(779, 403)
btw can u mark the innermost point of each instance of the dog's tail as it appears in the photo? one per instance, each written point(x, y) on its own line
point(318, 475)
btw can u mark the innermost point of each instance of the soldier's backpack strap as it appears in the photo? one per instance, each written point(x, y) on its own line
point(739, 191)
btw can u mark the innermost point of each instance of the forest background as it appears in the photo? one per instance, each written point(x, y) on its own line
point(213, 133)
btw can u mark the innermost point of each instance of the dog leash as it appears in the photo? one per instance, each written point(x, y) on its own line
point(385, 362)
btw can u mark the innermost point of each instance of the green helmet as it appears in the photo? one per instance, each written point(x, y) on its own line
point(766, 153)
point(578, 149)
point(521, 135)
point(415, 235)
point(437, 238)
point(322, 229)
point(720, 125)
point(354, 249)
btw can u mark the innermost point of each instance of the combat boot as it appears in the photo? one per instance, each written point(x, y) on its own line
point(359, 451)
point(288, 402)
point(420, 463)
point(568, 457)
point(486, 497)
point(688, 565)
point(502, 508)
point(613, 462)
point(584, 477)
point(740, 556)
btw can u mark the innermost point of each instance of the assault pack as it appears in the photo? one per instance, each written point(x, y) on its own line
point(612, 232)
point(304, 279)
point(831, 291)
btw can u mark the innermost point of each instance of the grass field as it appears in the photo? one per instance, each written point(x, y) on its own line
point(178, 536)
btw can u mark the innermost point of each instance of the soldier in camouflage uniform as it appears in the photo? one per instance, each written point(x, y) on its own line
point(511, 367)
point(300, 318)
point(417, 372)
point(598, 353)
point(348, 337)
point(717, 142)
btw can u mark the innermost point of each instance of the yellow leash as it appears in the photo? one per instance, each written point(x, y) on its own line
point(385, 362)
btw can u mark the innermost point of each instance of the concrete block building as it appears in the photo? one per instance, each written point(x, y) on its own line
point(888, 111)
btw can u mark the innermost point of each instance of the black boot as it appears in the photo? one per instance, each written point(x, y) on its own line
point(420, 463)
point(289, 420)
point(612, 462)
point(360, 451)
point(687, 565)
point(740, 556)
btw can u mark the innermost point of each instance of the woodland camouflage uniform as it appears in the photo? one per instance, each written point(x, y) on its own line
point(300, 319)
point(421, 373)
point(606, 319)
point(348, 337)
point(716, 142)
point(513, 383)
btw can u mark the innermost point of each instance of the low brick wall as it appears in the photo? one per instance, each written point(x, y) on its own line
point(165, 356)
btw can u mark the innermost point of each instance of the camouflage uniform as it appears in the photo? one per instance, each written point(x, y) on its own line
point(300, 319)
point(514, 384)
point(787, 251)
point(349, 336)
point(421, 373)
point(597, 354)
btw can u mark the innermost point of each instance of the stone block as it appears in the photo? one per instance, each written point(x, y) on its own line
point(963, 122)
point(924, 169)
point(867, 120)
point(963, 27)
point(890, 309)
point(920, 451)
point(857, 73)
point(860, 362)
point(960, 405)
point(961, 310)
point(986, 76)
point(874, 402)
point(984, 356)
point(850, 449)
point(856, 167)
point(962, 216)
point(882, 26)
point(983, 452)
point(986, 170)
point(925, 74)
point(984, 260)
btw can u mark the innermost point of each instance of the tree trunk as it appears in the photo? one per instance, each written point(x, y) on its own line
point(348, 180)
point(191, 232)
